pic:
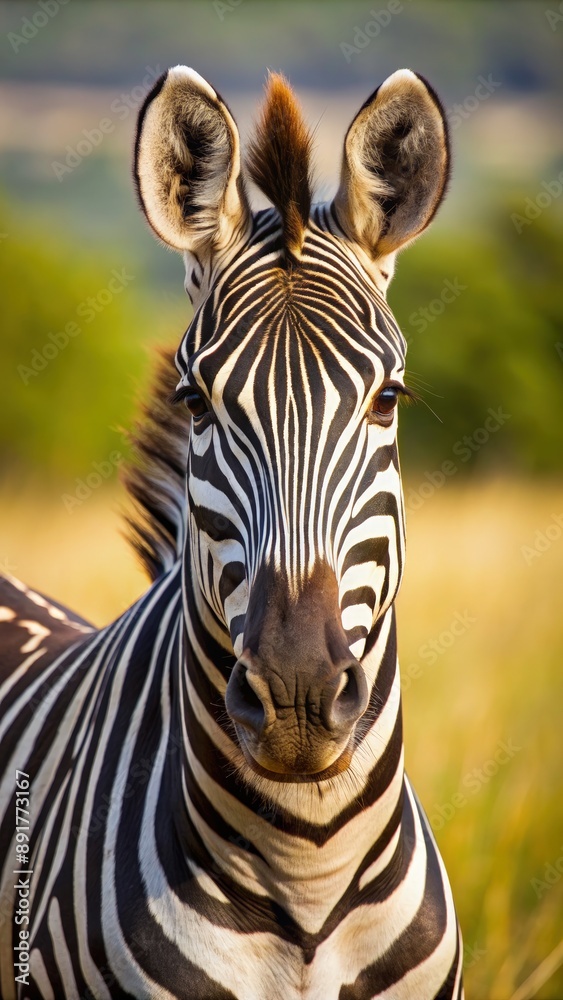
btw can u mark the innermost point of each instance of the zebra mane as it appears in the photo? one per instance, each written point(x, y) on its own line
point(155, 478)
point(279, 160)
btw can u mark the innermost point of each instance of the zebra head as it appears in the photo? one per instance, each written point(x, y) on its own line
point(292, 368)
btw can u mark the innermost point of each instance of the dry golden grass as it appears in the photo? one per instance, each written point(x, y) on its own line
point(80, 558)
point(500, 681)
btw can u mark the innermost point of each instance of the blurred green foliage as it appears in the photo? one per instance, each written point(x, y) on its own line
point(496, 343)
point(75, 330)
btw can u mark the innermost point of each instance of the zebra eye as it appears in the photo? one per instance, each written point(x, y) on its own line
point(386, 401)
point(195, 403)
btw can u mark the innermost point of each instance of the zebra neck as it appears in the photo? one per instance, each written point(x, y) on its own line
point(300, 844)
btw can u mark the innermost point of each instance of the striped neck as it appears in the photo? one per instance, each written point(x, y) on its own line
point(301, 845)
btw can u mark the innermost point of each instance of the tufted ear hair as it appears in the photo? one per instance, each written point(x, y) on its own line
point(187, 165)
point(395, 165)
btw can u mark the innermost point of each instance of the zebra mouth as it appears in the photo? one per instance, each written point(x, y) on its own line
point(275, 770)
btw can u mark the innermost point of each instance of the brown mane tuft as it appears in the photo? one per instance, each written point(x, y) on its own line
point(156, 477)
point(279, 159)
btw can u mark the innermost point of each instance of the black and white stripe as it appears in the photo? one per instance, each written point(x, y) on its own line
point(164, 864)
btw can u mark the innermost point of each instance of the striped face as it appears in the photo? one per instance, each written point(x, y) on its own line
point(292, 369)
point(293, 475)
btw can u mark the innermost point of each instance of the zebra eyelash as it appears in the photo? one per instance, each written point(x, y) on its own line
point(384, 415)
point(194, 400)
point(180, 394)
point(183, 392)
point(405, 392)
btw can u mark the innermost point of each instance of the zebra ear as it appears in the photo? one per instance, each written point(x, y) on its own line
point(395, 165)
point(187, 164)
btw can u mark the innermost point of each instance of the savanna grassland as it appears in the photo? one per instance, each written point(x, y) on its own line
point(481, 640)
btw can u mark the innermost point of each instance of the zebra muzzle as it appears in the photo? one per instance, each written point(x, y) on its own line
point(307, 738)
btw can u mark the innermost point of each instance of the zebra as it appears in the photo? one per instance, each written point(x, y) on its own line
point(206, 799)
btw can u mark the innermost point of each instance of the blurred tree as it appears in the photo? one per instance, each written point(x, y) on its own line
point(483, 315)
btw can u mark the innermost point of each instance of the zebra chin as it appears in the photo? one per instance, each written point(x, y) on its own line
point(318, 764)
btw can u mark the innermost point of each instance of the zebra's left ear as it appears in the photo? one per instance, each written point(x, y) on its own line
point(187, 165)
point(395, 165)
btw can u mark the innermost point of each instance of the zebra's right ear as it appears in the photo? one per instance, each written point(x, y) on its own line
point(187, 165)
point(395, 165)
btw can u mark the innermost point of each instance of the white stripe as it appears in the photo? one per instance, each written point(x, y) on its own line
point(61, 952)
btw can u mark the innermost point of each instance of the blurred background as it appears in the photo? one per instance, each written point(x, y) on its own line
point(87, 294)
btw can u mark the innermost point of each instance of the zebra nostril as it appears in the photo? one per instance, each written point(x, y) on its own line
point(243, 703)
point(345, 685)
point(350, 698)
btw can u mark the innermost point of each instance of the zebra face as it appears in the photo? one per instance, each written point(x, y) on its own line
point(292, 369)
point(294, 495)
